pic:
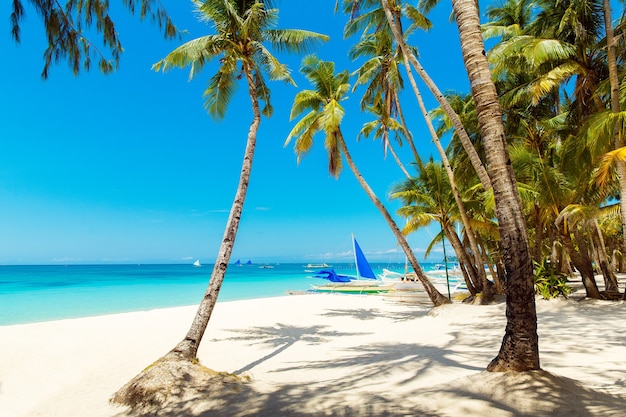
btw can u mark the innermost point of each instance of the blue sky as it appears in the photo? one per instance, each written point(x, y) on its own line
point(129, 167)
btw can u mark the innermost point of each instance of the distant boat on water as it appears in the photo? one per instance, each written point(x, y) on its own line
point(238, 262)
point(322, 265)
point(197, 262)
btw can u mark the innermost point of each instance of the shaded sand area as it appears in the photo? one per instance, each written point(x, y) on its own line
point(326, 355)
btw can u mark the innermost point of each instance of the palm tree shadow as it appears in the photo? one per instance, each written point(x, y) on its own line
point(282, 337)
point(365, 314)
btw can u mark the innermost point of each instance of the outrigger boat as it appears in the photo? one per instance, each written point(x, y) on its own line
point(365, 281)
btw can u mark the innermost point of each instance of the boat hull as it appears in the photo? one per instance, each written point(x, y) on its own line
point(411, 297)
point(352, 288)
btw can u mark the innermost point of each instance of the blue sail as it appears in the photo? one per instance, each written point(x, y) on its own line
point(332, 276)
point(363, 268)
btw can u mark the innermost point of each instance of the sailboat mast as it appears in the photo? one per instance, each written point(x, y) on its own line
point(356, 260)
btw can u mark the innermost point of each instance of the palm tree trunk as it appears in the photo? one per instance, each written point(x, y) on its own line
point(615, 108)
point(435, 296)
point(441, 99)
point(398, 161)
point(406, 130)
point(478, 271)
point(538, 234)
point(610, 281)
point(520, 345)
point(585, 265)
point(188, 347)
point(463, 257)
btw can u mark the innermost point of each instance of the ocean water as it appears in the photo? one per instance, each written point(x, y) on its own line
point(42, 293)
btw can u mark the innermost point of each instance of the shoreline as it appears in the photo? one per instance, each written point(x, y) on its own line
point(318, 354)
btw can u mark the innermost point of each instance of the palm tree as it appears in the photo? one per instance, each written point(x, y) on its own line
point(381, 72)
point(325, 114)
point(65, 26)
point(393, 14)
point(429, 197)
point(520, 345)
point(243, 28)
point(615, 107)
point(381, 75)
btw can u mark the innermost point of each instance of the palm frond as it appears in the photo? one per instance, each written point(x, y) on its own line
point(604, 172)
point(305, 100)
point(331, 116)
point(196, 53)
point(294, 40)
point(219, 92)
point(303, 133)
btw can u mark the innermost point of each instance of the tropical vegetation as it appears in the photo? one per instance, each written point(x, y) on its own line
point(243, 32)
point(531, 181)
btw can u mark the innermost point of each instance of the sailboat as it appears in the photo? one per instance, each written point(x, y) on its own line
point(238, 262)
point(364, 282)
point(197, 262)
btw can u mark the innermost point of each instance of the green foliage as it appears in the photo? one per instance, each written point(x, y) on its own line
point(241, 31)
point(65, 24)
point(549, 282)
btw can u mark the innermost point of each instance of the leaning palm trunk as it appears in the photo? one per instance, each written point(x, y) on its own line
point(179, 367)
point(188, 347)
point(475, 285)
point(520, 345)
point(615, 108)
point(456, 121)
point(610, 280)
point(582, 262)
point(435, 296)
point(477, 273)
point(398, 161)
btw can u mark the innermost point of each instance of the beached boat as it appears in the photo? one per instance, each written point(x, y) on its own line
point(197, 262)
point(405, 287)
point(364, 282)
point(408, 296)
point(406, 281)
point(318, 266)
point(353, 288)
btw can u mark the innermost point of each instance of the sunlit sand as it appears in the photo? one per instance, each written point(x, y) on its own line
point(326, 354)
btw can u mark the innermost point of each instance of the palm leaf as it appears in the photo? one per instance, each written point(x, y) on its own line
point(604, 172)
point(305, 100)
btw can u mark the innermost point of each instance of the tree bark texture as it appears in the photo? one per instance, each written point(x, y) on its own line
point(520, 345)
point(188, 347)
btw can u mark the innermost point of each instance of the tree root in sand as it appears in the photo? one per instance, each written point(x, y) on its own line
point(172, 379)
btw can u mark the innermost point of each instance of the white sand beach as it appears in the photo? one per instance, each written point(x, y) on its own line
point(339, 355)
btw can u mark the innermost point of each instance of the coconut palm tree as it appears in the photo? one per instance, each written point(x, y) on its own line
point(393, 12)
point(325, 114)
point(520, 346)
point(428, 197)
point(382, 76)
point(616, 107)
point(380, 73)
point(243, 28)
point(65, 26)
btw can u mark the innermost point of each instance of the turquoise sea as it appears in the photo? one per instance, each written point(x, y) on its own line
point(42, 293)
